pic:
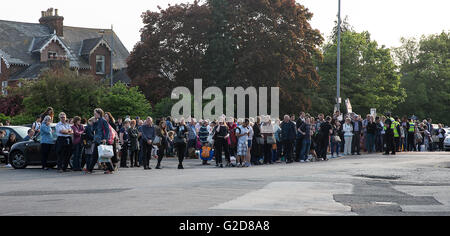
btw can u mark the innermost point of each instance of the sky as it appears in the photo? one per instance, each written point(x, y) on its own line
point(386, 20)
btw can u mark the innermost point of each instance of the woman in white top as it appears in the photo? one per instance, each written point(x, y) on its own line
point(37, 125)
point(348, 135)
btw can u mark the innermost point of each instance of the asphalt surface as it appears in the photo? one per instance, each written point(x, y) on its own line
point(407, 184)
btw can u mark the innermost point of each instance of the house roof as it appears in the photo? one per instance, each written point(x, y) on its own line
point(30, 72)
point(18, 40)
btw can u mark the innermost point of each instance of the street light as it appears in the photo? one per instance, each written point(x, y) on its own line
point(338, 87)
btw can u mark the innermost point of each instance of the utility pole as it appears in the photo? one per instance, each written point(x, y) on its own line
point(338, 87)
point(112, 54)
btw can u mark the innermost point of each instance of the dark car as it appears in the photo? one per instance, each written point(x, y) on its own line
point(20, 131)
point(28, 153)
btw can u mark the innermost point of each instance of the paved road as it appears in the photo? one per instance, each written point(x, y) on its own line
point(407, 184)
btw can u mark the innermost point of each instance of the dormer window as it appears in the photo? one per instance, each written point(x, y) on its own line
point(100, 64)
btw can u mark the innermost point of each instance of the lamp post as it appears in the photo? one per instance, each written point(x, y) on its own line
point(338, 87)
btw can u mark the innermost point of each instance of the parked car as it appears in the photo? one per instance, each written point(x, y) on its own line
point(447, 143)
point(28, 153)
point(20, 131)
point(447, 132)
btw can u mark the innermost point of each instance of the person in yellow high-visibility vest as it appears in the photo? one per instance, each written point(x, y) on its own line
point(397, 139)
point(411, 126)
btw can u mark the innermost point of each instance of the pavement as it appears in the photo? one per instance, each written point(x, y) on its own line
point(405, 184)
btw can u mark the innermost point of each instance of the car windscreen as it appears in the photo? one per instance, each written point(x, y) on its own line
point(21, 131)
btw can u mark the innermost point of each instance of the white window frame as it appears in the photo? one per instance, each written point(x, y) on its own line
point(100, 58)
point(4, 87)
point(53, 53)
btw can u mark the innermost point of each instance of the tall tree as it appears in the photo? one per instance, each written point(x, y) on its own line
point(425, 66)
point(368, 75)
point(234, 43)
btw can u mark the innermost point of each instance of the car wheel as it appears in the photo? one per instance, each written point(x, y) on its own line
point(18, 160)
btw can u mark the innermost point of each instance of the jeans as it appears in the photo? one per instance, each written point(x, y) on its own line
point(94, 159)
point(76, 162)
point(370, 142)
point(306, 144)
point(335, 147)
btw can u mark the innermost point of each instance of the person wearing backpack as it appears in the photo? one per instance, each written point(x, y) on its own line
point(101, 136)
point(112, 124)
point(203, 134)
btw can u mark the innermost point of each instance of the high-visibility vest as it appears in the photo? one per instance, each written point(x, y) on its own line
point(411, 127)
point(394, 126)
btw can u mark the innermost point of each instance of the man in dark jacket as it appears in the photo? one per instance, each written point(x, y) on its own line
point(148, 135)
point(287, 137)
point(357, 129)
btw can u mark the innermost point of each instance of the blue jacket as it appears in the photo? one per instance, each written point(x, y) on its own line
point(101, 131)
point(46, 134)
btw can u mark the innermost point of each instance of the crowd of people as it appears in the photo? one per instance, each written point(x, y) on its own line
point(243, 142)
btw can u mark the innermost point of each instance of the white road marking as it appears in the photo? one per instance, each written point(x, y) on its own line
point(440, 193)
point(309, 198)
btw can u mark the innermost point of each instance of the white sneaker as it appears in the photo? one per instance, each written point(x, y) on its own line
point(302, 161)
point(8, 166)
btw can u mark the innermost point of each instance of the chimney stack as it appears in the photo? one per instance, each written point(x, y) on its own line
point(54, 22)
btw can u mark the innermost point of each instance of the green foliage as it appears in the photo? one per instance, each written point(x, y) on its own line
point(4, 118)
point(425, 66)
point(78, 95)
point(163, 108)
point(368, 75)
point(22, 119)
point(122, 101)
point(64, 90)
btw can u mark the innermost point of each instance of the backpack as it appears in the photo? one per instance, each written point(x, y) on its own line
point(112, 134)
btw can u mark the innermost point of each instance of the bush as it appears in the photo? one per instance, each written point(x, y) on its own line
point(22, 119)
point(4, 118)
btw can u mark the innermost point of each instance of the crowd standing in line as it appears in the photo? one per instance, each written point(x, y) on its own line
point(243, 142)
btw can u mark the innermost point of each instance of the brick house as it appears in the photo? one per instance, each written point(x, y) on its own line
point(28, 48)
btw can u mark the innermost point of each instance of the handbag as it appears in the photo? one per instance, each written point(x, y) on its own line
point(337, 139)
point(259, 140)
point(89, 149)
point(105, 151)
point(435, 139)
point(271, 140)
